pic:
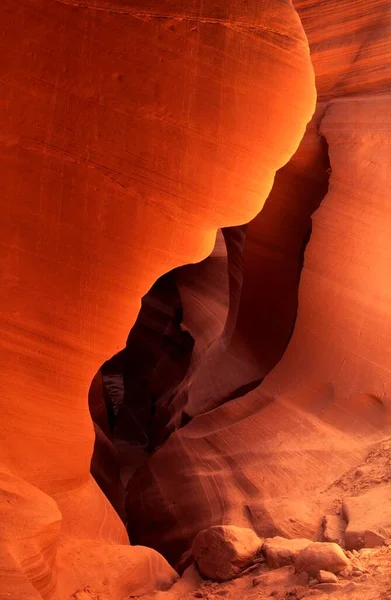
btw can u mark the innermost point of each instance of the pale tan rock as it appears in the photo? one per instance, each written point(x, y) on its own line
point(223, 551)
point(346, 573)
point(321, 556)
point(326, 577)
point(190, 581)
point(369, 518)
point(280, 551)
point(333, 529)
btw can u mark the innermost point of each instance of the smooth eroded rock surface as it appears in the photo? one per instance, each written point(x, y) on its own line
point(222, 552)
point(326, 577)
point(369, 519)
point(129, 134)
point(334, 529)
point(321, 556)
point(281, 551)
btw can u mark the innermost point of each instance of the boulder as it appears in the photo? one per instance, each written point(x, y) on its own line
point(369, 519)
point(321, 556)
point(223, 551)
point(280, 551)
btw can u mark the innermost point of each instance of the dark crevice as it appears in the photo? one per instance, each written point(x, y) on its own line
point(321, 193)
point(308, 233)
point(242, 390)
point(156, 360)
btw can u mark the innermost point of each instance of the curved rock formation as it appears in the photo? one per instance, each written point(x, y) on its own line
point(130, 135)
point(350, 45)
point(264, 460)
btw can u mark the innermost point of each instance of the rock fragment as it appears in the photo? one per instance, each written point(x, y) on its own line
point(280, 551)
point(346, 573)
point(326, 577)
point(369, 519)
point(321, 556)
point(223, 551)
point(334, 529)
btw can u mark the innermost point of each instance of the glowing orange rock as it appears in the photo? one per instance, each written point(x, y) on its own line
point(262, 460)
point(128, 136)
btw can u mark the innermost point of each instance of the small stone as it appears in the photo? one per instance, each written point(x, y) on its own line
point(358, 569)
point(326, 577)
point(280, 551)
point(223, 551)
point(345, 572)
point(321, 556)
point(366, 552)
point(350, 587)
point(256, 581)
point(198, 595)
point(221, 592)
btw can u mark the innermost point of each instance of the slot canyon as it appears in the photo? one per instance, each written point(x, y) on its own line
point(195, 299)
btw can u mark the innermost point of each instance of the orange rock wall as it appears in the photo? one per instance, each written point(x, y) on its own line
point(128, 136)
point(266, 459)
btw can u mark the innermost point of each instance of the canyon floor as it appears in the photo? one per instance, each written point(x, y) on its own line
point(369, 575)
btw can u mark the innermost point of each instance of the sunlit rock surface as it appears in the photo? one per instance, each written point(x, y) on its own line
point(130, 133)
point(252, 381)
point(267, 458)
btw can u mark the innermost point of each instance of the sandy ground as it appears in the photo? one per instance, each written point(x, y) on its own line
point(369, 576)
point(371, 581)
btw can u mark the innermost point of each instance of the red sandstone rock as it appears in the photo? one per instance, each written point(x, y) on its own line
point(321, 556)
point(280, 551)
point(223, 551)
point(369, 519)
point(326, 577)
point(292, 437)
point(264, 263)
point(129, 136)
point(350, 45)
point(334, 529)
